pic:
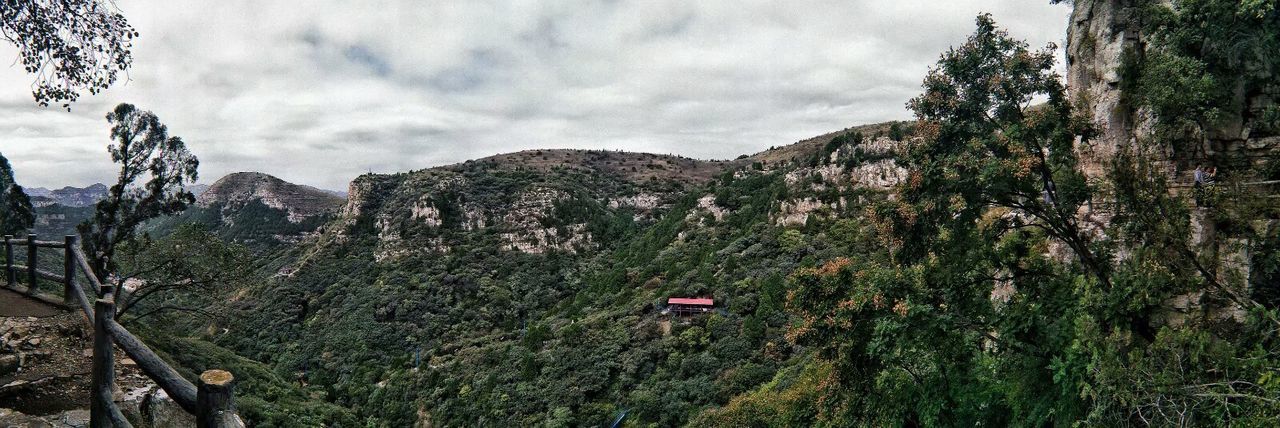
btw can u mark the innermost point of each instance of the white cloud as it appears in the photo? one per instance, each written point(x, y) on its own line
point(318, 92)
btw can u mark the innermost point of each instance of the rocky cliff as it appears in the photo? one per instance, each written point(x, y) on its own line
point(256, 209)
point(241, 188)
point(1111, 46)
point(1107, 41)
point(1099, 34)
point(532, 201)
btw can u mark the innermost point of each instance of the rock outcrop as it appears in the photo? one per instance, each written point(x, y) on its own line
point(1099, 34)
point(532, 201)
point(45, 375)
point(300, 202)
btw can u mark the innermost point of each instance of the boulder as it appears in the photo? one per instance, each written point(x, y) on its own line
point(151, 407)
point(9, 364)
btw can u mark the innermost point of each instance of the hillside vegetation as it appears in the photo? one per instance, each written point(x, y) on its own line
point(991, 263)
point(255, 209)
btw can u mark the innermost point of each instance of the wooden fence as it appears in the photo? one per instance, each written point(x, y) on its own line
point(212, 402)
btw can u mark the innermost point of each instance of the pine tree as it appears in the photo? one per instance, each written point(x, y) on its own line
point(17, 215)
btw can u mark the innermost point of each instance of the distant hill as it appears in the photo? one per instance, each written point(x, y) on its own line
point(54, 220)
point(533, 201)
point(59, 211)
point(197, 189)
point(70, 196)
point(255, 209)
point(241, 188)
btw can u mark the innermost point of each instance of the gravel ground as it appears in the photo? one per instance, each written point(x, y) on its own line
point(46, 358)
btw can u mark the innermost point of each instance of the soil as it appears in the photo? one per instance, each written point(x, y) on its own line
point(54, 350)
point(14, 304)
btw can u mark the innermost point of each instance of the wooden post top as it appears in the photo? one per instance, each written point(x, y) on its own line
point(219, 378)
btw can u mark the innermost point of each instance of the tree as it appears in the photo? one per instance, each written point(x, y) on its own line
point(17, 214)
point(70, 46)
point(996, 307)
point(186, 271)
point(982, 145)
point(992, 181)
point(154, 170)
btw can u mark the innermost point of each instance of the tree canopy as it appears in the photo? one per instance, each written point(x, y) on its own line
point(16, 213)
point(70, 46)
point(154, 170)
point(996, 305)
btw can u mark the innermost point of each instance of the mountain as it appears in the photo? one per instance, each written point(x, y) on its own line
point(54, 220)
point(242, 188)
point(197, 189)
point(531, 289)
point(255, 209)
point(71, 196)
point(532, 285)
point(58, 212)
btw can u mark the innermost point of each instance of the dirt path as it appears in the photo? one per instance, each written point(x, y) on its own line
point(13, 304)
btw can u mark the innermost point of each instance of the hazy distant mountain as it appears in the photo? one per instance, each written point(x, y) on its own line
point(36, 192)
point(71, 196)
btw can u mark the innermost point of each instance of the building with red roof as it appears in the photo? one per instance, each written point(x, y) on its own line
point(690, 306)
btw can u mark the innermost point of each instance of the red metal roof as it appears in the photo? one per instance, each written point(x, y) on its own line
point(695, 302)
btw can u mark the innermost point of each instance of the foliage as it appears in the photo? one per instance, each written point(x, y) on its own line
point(981, 292)
point(263, 397)
point(790, 399)
point(995, 307)
point(16, 214)
point(503, 337)
point(186, 271)
point(1207, 58)
point(144, 150)
point(69, 45)
point(259, 227)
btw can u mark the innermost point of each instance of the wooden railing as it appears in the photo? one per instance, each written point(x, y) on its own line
point(212, 402)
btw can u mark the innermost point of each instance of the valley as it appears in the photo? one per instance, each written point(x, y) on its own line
point(1099, 247)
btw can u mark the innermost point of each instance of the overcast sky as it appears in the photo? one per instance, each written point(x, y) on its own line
point(318, 92)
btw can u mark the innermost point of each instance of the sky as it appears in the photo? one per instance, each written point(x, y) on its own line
point(321, 91)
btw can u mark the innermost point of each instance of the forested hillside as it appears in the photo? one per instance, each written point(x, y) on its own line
point(1026, 252)
point(508, 290)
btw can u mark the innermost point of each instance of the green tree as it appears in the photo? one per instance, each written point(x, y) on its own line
point(154, 170)
point(17, 215)
point(984, 146)
point(918, 339)
point(1206, 63)
point(187, 271)
point(69, 46)
point(997, 308)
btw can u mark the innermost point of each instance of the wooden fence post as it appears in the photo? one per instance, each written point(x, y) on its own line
point(103, 386)
point(32, 279)
point(215, 399)
point(9, 274)
point(69, 271)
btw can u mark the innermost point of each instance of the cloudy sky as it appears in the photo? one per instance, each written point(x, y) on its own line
point(318, 92)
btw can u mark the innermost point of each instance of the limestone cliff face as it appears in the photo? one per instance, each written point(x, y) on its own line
point(1099, 34)
point(869, 164)
point(301, 202)
point(531, 202)
point(1102, 36)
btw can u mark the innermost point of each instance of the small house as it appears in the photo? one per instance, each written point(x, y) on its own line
point(689, 306)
